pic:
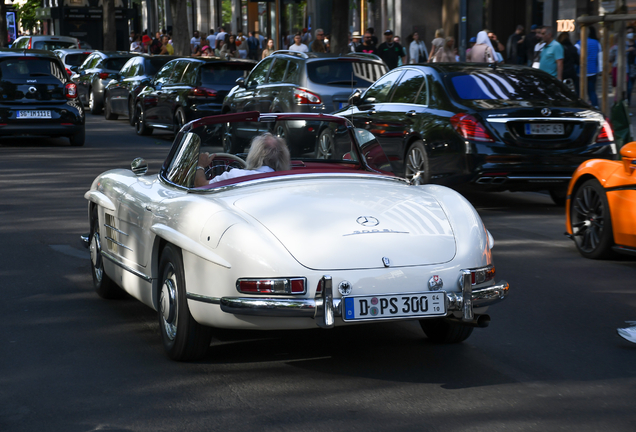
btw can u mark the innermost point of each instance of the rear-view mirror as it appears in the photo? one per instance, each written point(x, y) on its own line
point(354, 99)
point(240, 81)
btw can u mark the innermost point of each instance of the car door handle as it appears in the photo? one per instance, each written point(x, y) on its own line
point(372, 112)
point(411, 113)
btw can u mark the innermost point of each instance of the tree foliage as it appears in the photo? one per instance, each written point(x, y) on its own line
point(26, 14)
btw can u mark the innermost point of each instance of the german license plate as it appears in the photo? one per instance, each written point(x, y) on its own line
point(544, 129)
point(31, 114)
point(389, 306)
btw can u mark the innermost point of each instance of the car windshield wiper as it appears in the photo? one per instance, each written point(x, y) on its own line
point(342, 82)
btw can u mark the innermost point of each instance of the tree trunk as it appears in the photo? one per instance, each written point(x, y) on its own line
point(339, 40)
point(180, 35)
point(110, 33)
point(4, 37)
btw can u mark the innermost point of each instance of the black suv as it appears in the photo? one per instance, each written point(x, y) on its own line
point(184, 90)
point(37, 97)
point(289, 81)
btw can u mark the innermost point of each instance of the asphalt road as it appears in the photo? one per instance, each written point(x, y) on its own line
point(70, 361)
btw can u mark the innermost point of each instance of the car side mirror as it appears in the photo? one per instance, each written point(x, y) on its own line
point(240, 82)
point(354, 99)
point(139, 166)
point(73, 68)
point(628, 154)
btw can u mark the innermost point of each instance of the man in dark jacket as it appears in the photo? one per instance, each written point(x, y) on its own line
point(367, 46)
point(390, 52)
point(515, 48)
point(530, 41)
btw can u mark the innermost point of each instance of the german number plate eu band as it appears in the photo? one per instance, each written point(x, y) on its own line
point(31, 114)
point(544, 129)
point(391, 306)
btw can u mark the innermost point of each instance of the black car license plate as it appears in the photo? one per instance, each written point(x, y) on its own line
point(392, 306)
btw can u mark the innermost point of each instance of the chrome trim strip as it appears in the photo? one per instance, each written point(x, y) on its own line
point(202, 298)
point(314, 308)
point(115, 229)
point(117, 243)
point(125, 267)
point(542, 119)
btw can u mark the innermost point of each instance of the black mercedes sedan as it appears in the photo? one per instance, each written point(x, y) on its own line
point(122, 91)
point(37, 97)
point(93, 75)
point(186, 89)
point(489, 126)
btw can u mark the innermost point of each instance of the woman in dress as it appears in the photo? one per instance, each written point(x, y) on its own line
point(269, 49)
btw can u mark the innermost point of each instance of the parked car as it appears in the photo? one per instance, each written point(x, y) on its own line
point(45, 42)
point(93, 75)
point(329, 242)
point(38, 98)
point(122, 91)
point(601, 206)
point(186, 89)
point(289, 81)
point(72, 58)
point(492, 127)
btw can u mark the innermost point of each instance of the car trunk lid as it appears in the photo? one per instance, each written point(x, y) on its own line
point(327, 227)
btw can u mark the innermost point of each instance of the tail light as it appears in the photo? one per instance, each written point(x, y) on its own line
point(271, 286)
point(305, 97)
point(469, 128)
point(104, 75)
point(69, 72)
point(203, 92)
point(29, 45)
point(78, 45)
point(482, 275)
point(70, 90)
point(606, 134)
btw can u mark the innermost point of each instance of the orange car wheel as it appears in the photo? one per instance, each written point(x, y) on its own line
point(591, 221)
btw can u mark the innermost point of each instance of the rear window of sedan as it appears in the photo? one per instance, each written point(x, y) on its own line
point(75, 59)
point(220, 73)
point(341, 72)
point(509, 85)
point(115, 63)
point(51, 45)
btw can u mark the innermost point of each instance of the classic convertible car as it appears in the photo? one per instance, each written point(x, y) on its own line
point(332, 241)
point(601, 206)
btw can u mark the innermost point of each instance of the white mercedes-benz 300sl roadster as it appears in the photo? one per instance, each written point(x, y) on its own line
point(331, 239)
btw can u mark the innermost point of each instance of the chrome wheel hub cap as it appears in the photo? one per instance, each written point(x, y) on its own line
point(96, 256)
point(168, 305)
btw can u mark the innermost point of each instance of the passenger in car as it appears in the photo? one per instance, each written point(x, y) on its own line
point(268, 153)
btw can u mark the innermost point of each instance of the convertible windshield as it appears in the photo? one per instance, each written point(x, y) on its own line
point(230, 150)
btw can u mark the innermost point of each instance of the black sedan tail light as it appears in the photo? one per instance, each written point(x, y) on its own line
point(469, 128)
point(203, 92)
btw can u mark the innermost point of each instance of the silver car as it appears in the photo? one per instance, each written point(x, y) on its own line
point(72, 58)
point(44, 42)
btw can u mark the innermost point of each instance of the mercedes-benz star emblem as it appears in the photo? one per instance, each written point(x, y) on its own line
point(435, 283)
point(344, 288)
point(368, 221)
point(32, 89)
point(546, 111)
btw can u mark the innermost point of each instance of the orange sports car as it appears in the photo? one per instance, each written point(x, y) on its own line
point(601, 206)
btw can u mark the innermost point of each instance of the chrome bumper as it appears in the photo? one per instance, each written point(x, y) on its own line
point(323, 308)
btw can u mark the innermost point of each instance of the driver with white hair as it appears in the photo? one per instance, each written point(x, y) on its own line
point(268, 153)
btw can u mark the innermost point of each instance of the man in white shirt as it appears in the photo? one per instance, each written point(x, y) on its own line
point(196, 40)
point(268, 153)
point(212, 39)
point(298, 46)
